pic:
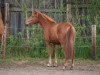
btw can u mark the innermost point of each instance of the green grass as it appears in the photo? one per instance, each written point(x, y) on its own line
point(35, 47)
point(28, 60)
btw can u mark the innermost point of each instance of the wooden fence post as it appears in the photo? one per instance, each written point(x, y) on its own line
point(3, 47)
point(27, 28)
point(7, 19)
point(94, 42)
point(6, 33)
point(68, 12)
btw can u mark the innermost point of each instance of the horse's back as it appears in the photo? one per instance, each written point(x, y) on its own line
point(64, 27)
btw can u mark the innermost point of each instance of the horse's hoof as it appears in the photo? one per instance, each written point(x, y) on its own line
point(55, 65)
point(71, 68)
point(49, 65)
point(64, 67)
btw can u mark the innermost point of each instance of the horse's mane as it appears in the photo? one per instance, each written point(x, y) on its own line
point(0, 14)
point(48, 18)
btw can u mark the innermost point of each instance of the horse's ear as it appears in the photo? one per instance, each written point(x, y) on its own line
point(36, 13)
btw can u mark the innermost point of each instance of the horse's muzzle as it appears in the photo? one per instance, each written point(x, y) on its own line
point(26, 22)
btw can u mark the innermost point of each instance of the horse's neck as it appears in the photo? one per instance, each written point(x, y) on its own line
point(44, 23)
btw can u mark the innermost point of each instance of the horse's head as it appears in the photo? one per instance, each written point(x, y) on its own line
point(33, 19)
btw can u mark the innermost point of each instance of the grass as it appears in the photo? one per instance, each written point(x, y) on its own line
point(18, 61)
point(18, 49)
point(35, 48)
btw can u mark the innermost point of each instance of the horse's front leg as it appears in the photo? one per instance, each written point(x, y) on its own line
point(55, 58)
point(49, 54)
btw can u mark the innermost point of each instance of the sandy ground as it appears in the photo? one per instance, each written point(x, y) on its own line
point(38, 68)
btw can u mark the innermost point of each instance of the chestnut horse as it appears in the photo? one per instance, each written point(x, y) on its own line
point(1, 25)
point(56, 33)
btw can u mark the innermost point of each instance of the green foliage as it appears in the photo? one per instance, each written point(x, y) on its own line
point(35, 46)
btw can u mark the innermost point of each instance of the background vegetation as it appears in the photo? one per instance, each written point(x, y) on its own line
point(83, 18)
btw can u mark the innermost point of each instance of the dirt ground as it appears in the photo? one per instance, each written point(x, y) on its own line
point(39, 68)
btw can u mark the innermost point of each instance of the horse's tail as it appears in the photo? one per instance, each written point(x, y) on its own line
point(70, 43)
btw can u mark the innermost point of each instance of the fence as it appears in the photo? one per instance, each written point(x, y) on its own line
point(35, 46)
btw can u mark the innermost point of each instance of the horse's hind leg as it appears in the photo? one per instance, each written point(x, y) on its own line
point(72, 65)
point(64, 46)
point(71, 42)
point(66, 61)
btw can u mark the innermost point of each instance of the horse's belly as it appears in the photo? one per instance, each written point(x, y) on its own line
point(54, 41)
point(53, 37)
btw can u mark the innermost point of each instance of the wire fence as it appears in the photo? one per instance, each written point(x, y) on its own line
point(31, 43)
point(34, 46)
